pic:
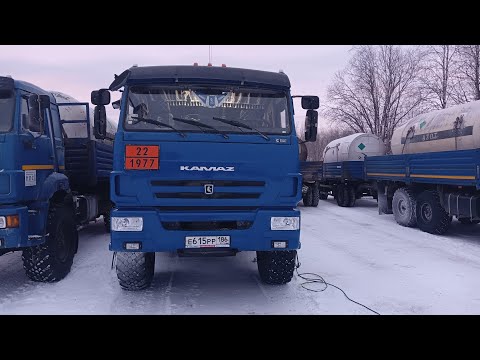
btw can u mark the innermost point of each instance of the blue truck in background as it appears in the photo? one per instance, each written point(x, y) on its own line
point(205, 164)
point(50, 184)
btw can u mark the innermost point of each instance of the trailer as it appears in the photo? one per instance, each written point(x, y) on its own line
point(434, 171)
point(341, 173)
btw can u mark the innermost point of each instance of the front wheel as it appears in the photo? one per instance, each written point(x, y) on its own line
point(276, 267)
point(135, 270)
point(53, 260)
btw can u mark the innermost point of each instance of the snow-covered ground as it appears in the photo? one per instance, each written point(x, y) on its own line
point(392, 269)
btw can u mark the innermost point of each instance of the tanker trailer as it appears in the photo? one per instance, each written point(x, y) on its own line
point(434, 170)
point(343, 170)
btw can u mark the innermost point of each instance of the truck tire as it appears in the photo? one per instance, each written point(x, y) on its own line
point(352, 196)
point(431, 216)
point(276, 267)
point(468, 221)
point(135, 270)
point(308, 197)
point(342, 195)
point(315, 196)
point(53, 260)
point(404, 207)
point(107, 222)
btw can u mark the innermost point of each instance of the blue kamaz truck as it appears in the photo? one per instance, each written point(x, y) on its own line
point(53, 178)
point(205, 164)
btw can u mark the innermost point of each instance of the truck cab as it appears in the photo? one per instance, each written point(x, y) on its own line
point(39, 209)
point(205, 164)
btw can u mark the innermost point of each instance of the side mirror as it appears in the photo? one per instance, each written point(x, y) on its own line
point(100, 122)
point(310, 102)
point(311, 123)
point(100, 97)
point(116, 104)
point(36, 105)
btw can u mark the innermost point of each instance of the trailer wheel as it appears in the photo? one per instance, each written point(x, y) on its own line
point(53, 260)
point(135, 270)
point(276, 267)
point(404, 207)
point(431, 216)
point(308, 197)
point(315, 196)
point(468, 221)
point(352, 196)
point(342, 195)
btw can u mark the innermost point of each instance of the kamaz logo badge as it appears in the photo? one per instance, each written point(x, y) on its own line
point(208, 188)
point(207, 168)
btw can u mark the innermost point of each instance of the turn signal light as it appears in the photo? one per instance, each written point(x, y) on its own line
point(13, 221)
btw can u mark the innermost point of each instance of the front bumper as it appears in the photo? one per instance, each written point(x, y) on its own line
point(16, 237)
point(155, 238)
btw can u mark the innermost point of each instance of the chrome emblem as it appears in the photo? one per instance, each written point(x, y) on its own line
point(208, 188)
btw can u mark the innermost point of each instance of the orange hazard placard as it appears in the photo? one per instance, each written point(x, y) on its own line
point(141, 151)
point(141, 157)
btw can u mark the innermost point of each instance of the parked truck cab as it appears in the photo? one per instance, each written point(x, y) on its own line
point(205, 163)
point(40, 209)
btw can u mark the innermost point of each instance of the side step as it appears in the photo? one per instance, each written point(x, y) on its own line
point(206, 252)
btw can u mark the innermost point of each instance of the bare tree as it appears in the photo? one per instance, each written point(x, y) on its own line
point(437, 75)
point(467, 74)
point(377, 91)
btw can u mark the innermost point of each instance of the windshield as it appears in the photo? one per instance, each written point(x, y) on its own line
point(262, 110)
point(7, 102)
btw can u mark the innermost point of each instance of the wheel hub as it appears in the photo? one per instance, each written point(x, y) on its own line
point(426, 212)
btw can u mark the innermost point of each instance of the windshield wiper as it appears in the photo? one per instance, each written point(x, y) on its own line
point(201, 126)
point(158, 123)
point(239, 124)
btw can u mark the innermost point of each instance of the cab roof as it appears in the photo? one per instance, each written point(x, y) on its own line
point(23, 85)
point(200, 74)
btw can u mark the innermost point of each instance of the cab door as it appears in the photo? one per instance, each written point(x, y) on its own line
point(36, 158)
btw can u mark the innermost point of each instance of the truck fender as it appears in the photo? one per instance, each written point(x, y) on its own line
point(55, 182)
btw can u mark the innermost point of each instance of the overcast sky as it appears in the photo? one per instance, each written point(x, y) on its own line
point(78, 69)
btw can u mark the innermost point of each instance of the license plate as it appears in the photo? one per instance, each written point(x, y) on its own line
point(207, 241)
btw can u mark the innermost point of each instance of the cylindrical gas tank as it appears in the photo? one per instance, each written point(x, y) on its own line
point(453, 128)
point(302, 151)
point(353, 148)
point(78, 130)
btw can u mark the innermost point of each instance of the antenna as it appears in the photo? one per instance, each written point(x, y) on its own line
point(210, 54)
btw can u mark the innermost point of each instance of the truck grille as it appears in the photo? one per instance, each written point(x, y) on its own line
point(198, 195)
point(223, 189)
point(205, 182)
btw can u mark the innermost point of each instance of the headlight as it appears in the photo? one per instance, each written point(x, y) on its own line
point(285, 223)
point(127, 223)
point(3, 222)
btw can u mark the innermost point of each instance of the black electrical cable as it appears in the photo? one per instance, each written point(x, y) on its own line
point(317, 279)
